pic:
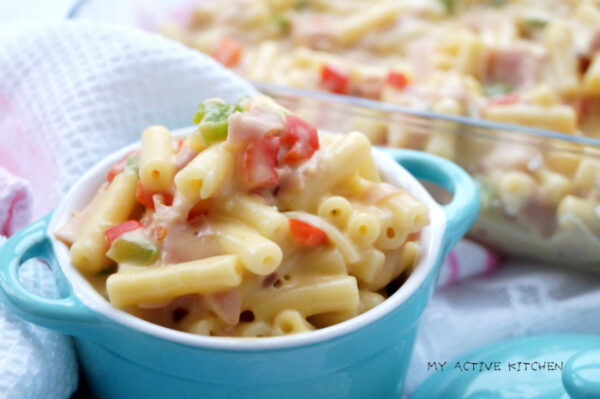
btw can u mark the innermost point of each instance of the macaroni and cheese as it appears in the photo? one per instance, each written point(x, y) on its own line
point(254, 225)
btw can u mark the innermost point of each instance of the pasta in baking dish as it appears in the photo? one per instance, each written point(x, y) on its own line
point(254, 225)
point(530, 62)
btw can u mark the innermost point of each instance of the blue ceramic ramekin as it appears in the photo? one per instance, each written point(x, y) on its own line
point(126, 357)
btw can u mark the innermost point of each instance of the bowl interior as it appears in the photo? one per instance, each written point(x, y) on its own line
point(83, 191)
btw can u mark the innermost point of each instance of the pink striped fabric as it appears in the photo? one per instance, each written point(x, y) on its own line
point(15, 203)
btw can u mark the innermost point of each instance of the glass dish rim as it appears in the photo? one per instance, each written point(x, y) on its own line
point(381, 106)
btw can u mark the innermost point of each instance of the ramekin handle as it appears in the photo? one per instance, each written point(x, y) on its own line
point(462, 210)
point(66, 314)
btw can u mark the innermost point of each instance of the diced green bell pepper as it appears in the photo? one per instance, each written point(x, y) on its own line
point(486, 195)
point(536, 23)
point(207, 107)
point(496, 3)
point(449, 5)
point(127, 249)
point(211, 118)
point(281, 22)
point(497, 89)
point(133, 163)
point(301, 5)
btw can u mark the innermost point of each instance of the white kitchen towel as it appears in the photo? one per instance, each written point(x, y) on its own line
point(521, 298)
point(74, 92)
point(467, 259)
point(69, 95)
point(34, 362)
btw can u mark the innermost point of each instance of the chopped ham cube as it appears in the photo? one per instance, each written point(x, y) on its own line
point(594, 45)
point(256, 123)
point(313, 32)
point(516, 67)
point(225, 304)
point(368, 88)
point(184, 157)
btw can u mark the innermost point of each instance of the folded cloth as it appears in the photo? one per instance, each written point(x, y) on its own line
point(468, 259)
point(26, 350)
point(15, 203)
point(72, 93)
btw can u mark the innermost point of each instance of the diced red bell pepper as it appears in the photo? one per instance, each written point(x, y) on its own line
point(146, 198)
point(120, 229)
point(119, 166)
point(228, 52)
point(306, 234)
point(397, 80)
point(259, 162)
point(503, 99)
point(335, 79)
point(299, 140)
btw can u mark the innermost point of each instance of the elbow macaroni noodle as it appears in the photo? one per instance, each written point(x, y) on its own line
point(258, 235)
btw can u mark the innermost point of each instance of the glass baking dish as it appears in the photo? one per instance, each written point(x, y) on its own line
point(540, 190)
